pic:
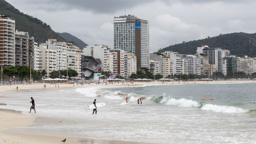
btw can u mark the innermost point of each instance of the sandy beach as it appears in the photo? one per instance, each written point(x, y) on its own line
point(12, 119)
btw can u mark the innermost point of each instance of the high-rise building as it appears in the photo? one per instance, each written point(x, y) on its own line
point(119, 62)
point(24, 49)
point(7, 41)
point(167, 66)
point(74, 58)
point(37, 56)
point(132, 34)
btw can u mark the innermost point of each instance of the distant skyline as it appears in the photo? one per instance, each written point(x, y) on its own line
point(170, 21)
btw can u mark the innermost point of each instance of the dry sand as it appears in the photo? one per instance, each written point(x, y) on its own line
point(11, 119)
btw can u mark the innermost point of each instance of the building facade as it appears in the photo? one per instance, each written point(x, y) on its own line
point(7, 41)
point(24, 49)
point(132, 34)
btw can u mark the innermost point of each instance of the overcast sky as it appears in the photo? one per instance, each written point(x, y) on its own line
point(170, 21)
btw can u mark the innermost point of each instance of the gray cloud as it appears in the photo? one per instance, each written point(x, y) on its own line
point(170, 21)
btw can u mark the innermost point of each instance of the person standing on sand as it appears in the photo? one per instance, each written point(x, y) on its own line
point(95, 109)
point(33, 105)
point(140, 100)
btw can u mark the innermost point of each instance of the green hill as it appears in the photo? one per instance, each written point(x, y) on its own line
point(35, 27)
point(239, 44)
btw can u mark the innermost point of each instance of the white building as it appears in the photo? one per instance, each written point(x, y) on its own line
point(131, 64)
point(7, 41)
point(37, 57)
point(191, 64)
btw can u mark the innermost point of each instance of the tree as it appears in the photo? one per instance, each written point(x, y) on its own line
point(23, 72)
point(44, 73)
point(106, 73)
point(217, 75)
point(11, 71)
point(71, 73)
point(158, 76)
point(54, 74)
point(253, 75)
point(36, 75)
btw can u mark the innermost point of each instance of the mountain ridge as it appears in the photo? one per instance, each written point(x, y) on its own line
point(71, 38)
point(238, 43)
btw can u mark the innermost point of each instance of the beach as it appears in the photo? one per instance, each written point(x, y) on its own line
point(11, 121)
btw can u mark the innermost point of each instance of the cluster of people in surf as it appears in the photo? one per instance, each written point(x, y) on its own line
point(139, 101)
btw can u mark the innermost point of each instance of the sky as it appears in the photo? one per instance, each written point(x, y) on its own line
point(170, 21)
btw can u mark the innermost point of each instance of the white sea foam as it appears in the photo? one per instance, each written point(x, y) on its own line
point(88, 91)
point(182, 102)
point(223, 109)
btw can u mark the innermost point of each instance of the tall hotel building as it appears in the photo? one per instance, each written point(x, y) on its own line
point(7, 41)
point(132, 34)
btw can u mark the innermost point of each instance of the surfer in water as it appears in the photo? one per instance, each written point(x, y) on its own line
point(33, 105)
point(95, 109)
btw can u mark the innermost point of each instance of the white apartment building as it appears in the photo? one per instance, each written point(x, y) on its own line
point(48, 59)
point(156, 64)
point(191, 64)
point(131, 64)
point(74, 58)
point(245, 65)
point(167, 66)
point(7, 41)
point(119, 62)
point(55, 56)
point(37, 56)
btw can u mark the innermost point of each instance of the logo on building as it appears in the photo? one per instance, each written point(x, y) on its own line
point(137, 25)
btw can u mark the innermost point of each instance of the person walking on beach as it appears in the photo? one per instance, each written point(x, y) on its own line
point(140, 100)
point(33, 105)
point(95, 109)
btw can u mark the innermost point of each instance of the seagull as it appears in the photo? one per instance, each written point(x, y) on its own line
point(63, 140)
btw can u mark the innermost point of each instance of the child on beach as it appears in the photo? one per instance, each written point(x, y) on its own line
point(33, 105)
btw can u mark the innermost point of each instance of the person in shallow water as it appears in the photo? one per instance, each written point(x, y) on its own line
point(33, 105)
point(138, 101)
point(95, 109)
point(126, 99)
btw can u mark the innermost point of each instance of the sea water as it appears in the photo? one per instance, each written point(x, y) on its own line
point(170, 114)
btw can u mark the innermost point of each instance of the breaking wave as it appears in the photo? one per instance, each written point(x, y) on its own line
point(164, 99)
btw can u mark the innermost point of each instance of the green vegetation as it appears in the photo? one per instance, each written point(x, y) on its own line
point(21, 73)
point(60, 74)
point(35, 27)
point(239, 44)
point(147, 75)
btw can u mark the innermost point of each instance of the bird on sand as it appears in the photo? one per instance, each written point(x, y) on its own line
point(63, 140)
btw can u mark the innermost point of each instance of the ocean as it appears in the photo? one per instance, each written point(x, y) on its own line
point(169, 114)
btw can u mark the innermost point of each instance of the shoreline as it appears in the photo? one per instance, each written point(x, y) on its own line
point(9, 117)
